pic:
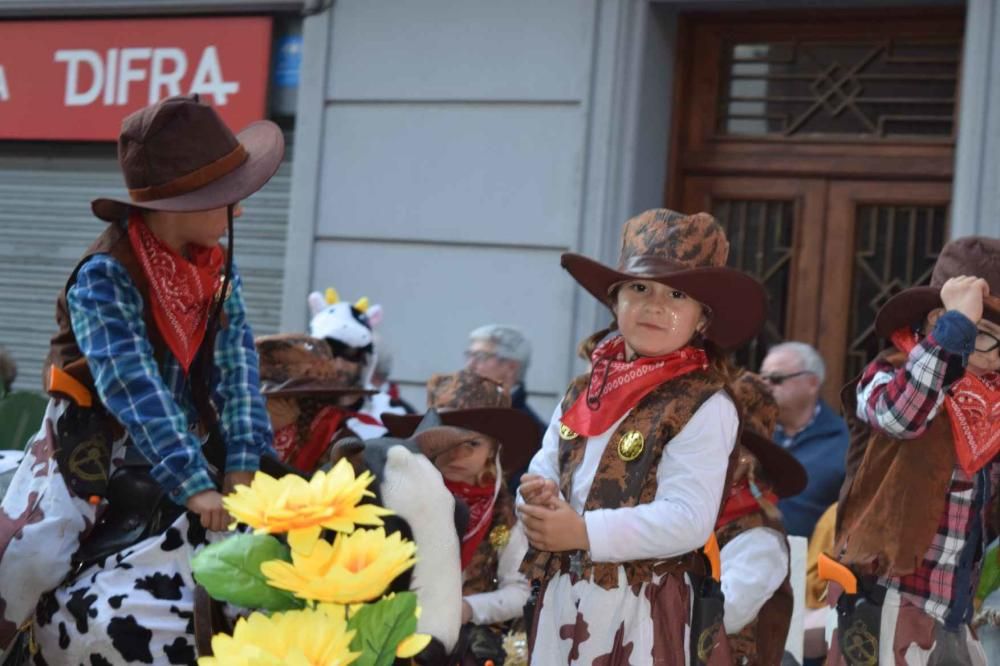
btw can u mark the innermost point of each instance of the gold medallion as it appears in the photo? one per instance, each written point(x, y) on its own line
point(630, 445)
point(707, 641)
point(86, 462)
point(860, 645)
point(566, 433)
point(499, 536)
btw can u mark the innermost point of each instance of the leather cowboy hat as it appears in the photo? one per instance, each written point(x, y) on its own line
point(471, 402)
point(977, 256)
point(178, 156)
point(759, 417)
point(686, 252)
point(297, 366)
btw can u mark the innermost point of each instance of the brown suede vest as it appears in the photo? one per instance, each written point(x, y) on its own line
point(481, 573)
point(618, 483)
point(894, 492)
point(762, 642)
point(65, 354)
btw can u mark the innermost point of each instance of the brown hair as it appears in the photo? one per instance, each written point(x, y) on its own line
point(8, 370)
point(490, 471)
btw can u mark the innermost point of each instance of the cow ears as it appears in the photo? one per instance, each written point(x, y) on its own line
point(316, 303)
point(374, 315)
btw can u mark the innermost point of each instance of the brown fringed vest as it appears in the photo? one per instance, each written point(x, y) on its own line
point(762, 642)
point(894, 492)
point(65, 354)
point(481, 574)
point(658, 418)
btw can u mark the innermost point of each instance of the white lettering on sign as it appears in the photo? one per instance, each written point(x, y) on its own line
point(119, 69)
point(4, 90)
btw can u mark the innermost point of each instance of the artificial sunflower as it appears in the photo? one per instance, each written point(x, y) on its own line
point(302, 508)
point(312, 637)
point(357, 567)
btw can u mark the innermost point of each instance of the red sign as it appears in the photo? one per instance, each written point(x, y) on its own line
point(76, 80)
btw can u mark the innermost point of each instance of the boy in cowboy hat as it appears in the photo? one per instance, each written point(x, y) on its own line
point(627, 487)
point(480, 437)
point(153, 355)
point(752, 538)
point(916, 508)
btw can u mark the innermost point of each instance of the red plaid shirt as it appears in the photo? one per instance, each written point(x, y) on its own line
point(902, 402)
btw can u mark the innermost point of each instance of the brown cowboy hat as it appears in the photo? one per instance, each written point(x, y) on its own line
point(689, 253)
point(977, 256)
point(178, 156)
point(759, 416)
point(471, 402)
point(297, 366)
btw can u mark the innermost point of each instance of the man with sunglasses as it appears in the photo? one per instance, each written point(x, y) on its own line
point(919, 503)
point(809, 429)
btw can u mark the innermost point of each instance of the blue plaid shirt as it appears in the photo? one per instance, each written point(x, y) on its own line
point(156, 407)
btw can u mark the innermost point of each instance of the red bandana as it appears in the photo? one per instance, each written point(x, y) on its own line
point(973, 403)
point(181, 291)
point(617, 385)
point(741, 502)
point(480, 500)
point(324, 426)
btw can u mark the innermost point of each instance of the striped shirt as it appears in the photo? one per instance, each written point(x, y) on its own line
point(154, 405)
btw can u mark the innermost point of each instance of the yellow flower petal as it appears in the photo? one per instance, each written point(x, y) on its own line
point(357, 567)
point(412, 645)
point(303, 540)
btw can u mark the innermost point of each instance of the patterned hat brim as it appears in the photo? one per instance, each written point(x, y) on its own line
point(738, 301)
point(516, 431)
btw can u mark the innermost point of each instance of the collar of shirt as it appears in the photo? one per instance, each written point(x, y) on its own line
point(787, 440)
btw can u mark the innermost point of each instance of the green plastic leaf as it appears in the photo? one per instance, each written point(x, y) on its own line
point(989, 579)
point(230, 571)
point(381, 626)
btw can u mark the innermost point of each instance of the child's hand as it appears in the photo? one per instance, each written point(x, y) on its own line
point(965, 294)
point(538, 491)
point(208, 505)
point(233, 479)
point(554, 528)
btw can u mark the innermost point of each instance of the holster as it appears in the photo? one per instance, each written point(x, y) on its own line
point(707, 610)
point(84, 437)
point(859, 619)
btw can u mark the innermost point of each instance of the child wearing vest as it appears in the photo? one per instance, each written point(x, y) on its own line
point(752, 539)
point(153, 355)
point(480, 436)
point(627, 487)
point(918, 505)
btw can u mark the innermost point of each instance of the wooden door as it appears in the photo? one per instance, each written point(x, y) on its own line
point(825, 147)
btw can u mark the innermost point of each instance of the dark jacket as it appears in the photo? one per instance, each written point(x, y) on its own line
point(822, 449)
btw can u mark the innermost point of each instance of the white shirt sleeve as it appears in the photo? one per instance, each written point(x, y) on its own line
point(507, 601)
point(545, 463)
point(690, 478)
point(754, 565)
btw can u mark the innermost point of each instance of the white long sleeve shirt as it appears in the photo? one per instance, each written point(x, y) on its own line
point(690, 478)
point(754, 565)
point(507, 601)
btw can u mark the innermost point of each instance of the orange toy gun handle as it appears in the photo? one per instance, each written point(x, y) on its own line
point(714, 557)
point(63, 383)
point(830, 569)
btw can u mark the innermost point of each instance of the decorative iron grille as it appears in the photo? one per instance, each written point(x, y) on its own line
point(760, 236)
point(883, 89)
point(895, 247)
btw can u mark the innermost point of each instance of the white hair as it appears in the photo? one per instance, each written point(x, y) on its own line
point(508, 342)
point(811, 360)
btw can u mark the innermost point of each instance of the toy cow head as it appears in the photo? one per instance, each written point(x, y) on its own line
point(347, 328)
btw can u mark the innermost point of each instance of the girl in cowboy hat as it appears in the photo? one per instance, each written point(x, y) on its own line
point(918, 504)
point(153, 357)
point(479, 437)
point(626, 489)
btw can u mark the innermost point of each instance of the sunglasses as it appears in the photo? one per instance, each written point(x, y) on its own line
point(479, 356)
point(986, 342)
point(777, 380)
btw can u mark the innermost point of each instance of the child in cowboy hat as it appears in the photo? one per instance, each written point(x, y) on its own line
point(627, 487)
point(480, 436)
point(306, 394)
point(916, 509)
point(153, 356)
point(753, 542)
